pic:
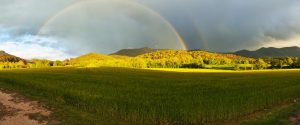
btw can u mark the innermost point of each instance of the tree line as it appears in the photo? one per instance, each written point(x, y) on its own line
point(31, 64)
point(163, 59)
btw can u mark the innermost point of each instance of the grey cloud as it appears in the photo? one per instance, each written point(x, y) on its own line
point(214, 25)
point(229, 25)
point(26, 16)
point(108, 27)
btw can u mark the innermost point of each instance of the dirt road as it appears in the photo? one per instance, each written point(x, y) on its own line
point(295, 119)
point(16, 110)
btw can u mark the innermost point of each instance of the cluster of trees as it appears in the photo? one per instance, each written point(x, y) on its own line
point(39, 64)
point(8, 58)
point(31, 64)
point(203, 59)
point(46, 63)
point(283, 62)
point(163, 59)
point(13, 65)
point(277, 63)
point(191, 59)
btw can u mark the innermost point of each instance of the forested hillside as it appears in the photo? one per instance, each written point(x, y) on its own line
point(95, 60)
point(271, 52)
point(191, 59)
point(159, 59)
point(168, 59)
point(8, 61)
point(5, 57)
point(134, 52)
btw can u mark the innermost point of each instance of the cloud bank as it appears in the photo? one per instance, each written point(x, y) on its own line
point(232, 24)
point(33, 47)
point(213, 25)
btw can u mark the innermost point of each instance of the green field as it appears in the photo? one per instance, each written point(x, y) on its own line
point(139, 96)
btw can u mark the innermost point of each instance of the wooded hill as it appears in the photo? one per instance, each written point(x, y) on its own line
point(184, 59)
point(8, 61)
point(134, 52)
point(165, 59)
point(271, 52)
point(191, 59)
point(5, 57)
point(260, 53)
point(162, 59)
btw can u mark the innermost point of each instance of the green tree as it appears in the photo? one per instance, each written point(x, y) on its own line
point(58, 63)
point(139, 63)
point(289, 62)
point(21, 64)
point(261, 64)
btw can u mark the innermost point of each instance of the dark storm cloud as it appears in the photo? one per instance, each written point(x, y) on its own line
point(26, 16)
point(231, 24)
point(214, 25)
point(106, 27)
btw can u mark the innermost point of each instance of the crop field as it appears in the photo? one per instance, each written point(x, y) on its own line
point(139, 96)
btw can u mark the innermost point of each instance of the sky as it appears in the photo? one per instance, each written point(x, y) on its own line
point(59, 29)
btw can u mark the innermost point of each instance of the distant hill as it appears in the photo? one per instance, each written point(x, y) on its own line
point(5, 57)
point(94, 60)
point(90, 57)
point(185, 55)
point(134, 52)
point(271, 52)
point(161, 59)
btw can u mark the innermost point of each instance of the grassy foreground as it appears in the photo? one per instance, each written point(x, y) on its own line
point(135, 96)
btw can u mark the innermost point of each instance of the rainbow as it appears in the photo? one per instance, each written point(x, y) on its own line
point(130, 2)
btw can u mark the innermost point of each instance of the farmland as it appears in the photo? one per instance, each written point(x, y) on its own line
point(140, 96)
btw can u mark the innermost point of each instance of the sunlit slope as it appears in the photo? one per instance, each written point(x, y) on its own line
point(163, 59)
point(95, 60)
point(5, 57)
point(182, 54)
point(134, 52)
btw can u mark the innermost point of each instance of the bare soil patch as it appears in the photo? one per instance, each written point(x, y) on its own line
point(16, 110)
point(295, 119)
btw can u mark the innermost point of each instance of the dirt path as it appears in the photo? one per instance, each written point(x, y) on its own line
point(15, 110)
point(295, 119)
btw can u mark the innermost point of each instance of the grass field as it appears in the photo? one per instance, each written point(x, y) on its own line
point(137, 96)
point(219, 70)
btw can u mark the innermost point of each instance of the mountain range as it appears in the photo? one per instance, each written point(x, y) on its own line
point(271, 52)
point(134, 52)
point(262, 52)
